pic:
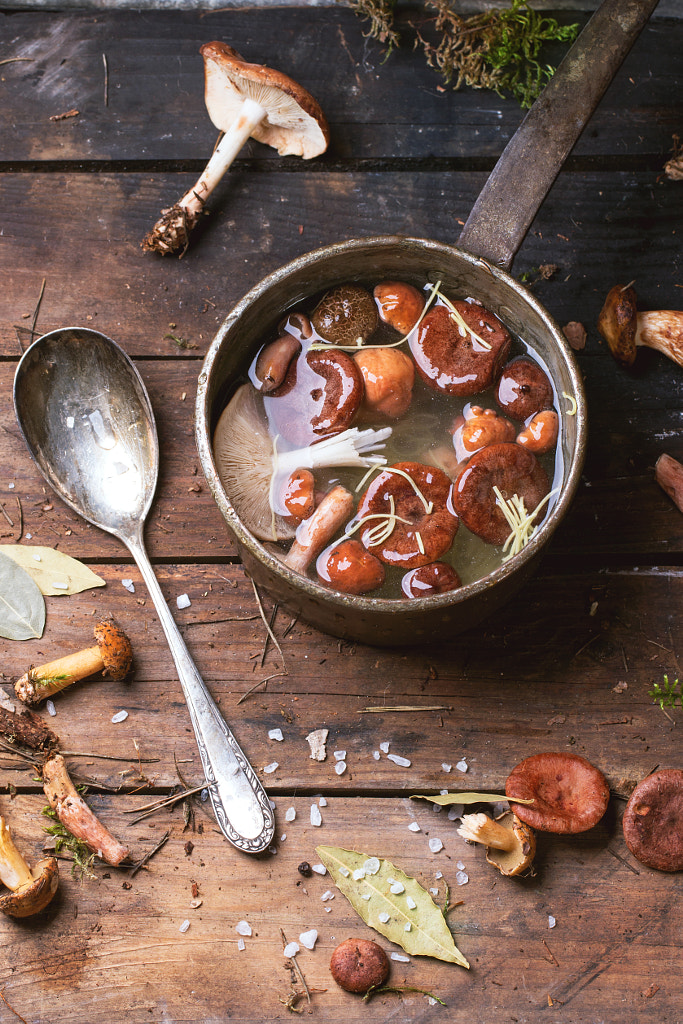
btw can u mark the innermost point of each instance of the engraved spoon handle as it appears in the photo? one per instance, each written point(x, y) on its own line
point(239, 801)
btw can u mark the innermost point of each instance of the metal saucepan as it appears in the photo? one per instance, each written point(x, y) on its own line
point(494, 231)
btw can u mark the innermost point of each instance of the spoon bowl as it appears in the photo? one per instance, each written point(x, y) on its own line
point(88, 422)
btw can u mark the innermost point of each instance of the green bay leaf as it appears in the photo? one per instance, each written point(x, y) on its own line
point(22, 606)
point(54, 572)
point(446, 799)
point(390, 913)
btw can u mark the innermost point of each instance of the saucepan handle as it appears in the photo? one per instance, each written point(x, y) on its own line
point(532, 159)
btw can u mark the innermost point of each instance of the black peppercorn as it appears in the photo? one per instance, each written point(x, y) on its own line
point(305, 869)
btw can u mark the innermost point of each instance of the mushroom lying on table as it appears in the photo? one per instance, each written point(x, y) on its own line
point(569, 793)
point(653, 820)
point(625, 329)
point(112, 655)
point(510, 843)
point(30, 890)
point(243, 100)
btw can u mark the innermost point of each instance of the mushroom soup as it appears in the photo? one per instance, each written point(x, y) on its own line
point(392, 439)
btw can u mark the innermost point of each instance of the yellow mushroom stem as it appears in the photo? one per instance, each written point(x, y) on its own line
point(479, 828)
point(14, 871)
point(39, 683)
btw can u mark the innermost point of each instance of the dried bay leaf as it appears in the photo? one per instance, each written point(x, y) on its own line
point(446, 799)
point(22, 606)
point(428, 934)
point(49, 567)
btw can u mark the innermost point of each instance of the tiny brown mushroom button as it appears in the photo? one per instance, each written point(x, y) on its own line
point(112, 655)
point(30, 890)
point(653, 820)
point(346, 315)
point(358, 965)
point(523, 389)
point(569, 793)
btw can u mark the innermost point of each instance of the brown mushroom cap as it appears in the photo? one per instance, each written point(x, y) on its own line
point(359, 964)
point(617, 323)
point(294, 123)
point(349, 567)
point(34, 896)
point(653, 820)
point(320, 395)
point(346, 315)
point(115, 649)
point(569, 794)
point(435, 578)
point(524, 388)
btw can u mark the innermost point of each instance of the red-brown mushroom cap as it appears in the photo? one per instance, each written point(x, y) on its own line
point(33, 897)
point(510, 468)
point(320, 395)
point(435, 578)
point(523, 389)
point(350, 568)
point(618, 323)
point(294, 123)
point(359, 964)
point(427, 531)
point(653, 820)
point(115, 649)
point(450, 359)
point(346, 315)
point(569, 793)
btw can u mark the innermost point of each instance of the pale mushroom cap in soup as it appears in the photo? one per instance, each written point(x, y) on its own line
point(294, 124)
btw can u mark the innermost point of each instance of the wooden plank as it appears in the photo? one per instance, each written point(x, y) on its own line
point(154, 110)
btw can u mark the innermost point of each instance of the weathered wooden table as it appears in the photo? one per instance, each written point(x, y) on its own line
point(568, 666)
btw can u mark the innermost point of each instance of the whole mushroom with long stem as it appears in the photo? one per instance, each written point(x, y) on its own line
point(243, 100)
point(625, 329)
point(30, 890)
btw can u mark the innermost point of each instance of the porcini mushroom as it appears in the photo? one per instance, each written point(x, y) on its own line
point(112, 655)
point(625, 329)
point(569, 793)
point(30, 889)
point(510, 843)
point(653, 820)
point(251, 467)
point(75, 815)
point(243, 100)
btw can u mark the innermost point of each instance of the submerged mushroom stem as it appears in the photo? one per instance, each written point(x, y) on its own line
point(76, 816)
point(319, 529)
point(479, 828)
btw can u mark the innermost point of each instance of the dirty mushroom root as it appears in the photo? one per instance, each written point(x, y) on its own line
point(243, 100)
point(492, 479)
point(112, 655)
point(30, 890)
point(358, 965)
point(405, 515)
point(626, 330)
point(569, 794)
point(653, 820)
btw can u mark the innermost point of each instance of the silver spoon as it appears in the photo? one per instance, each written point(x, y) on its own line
point(88, 422)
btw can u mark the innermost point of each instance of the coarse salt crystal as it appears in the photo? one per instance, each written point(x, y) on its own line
point(407, 927)
point(414, 827)
point(322, 802)
point(340, 755)
point(396, 888)
point(431, 1000)
point(37, 557)
point(283, 837)
point(51, 709)
point(375, 754)
point(243, 928)
point(366, 895)
point(184, 926)
point(291, 949)
point(446, 767)
point(461, 877)
point(241, 944)
point(59, 585)
point(309, 938)
point(29, 536)
point(403, 762)
point(11, 486)
point(328, 910)
point(316, 741)
point(459, 865)
point(275, 734)
point(454, 811)
point(435, 844)
point(120, 716)
point(551, 921)
point(400, 958)
point(319, 869)
point(290, 814)
point(326, 896)
point(434, 891)
point(358, 874)
point(270, 768)
point(344, 871)
point(439, 874)
point(183, 601)
point(383, 916)
point(462, 766)
point(70, 422)
point(384, 746)
point(410, 902)
point(340, 767)
point(316, 816)
point(371, 866)
point(129, 585)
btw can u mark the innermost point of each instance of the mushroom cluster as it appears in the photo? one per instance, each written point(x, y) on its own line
point(390, 367)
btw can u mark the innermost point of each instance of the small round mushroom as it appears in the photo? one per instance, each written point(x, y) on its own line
point(460, 352)
point(512, 471)
point(112, 656)
point(510, 843)
point(625, 329)
point(30, 890)
point(243, 100)
point(540, 432)
point(299, 495)
point(359, 964)
point(388, 376)
point(411, 520)
point(478, 427)
point(653, 820)
point(399, 305)
point(569, 793)
point(346, 315)
point(523, 389)
point(349, 568)
point(435, 578)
